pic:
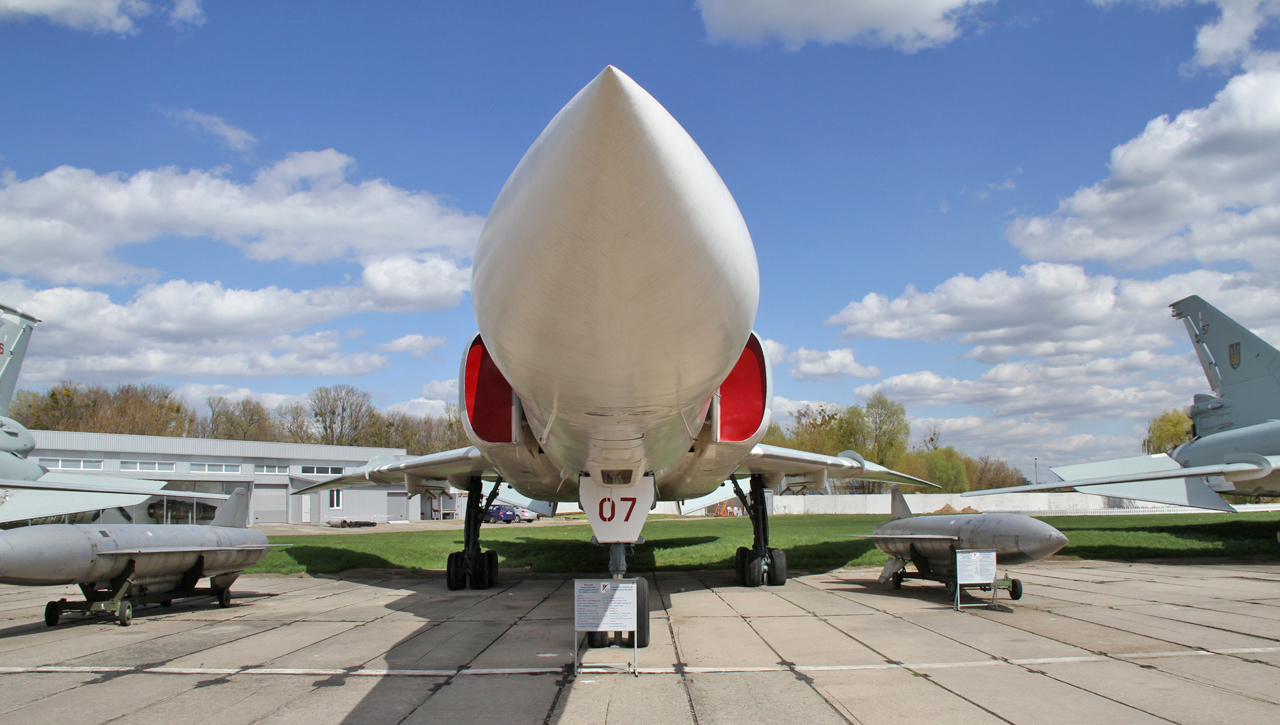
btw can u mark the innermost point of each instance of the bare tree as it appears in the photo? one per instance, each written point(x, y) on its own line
point(342, 413)
point(244, 420)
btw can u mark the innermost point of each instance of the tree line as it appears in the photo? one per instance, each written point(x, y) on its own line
point(338, 415)
point(346, 416)
point(880, 433)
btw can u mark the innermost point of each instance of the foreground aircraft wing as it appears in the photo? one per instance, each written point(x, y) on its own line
point(1159, 481)
point(45, 484)
point(385, 471)
point(790, 462)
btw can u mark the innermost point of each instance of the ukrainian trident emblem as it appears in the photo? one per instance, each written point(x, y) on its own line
point(1233, 355)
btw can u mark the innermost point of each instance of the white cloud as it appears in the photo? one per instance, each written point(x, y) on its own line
point(907, 25)
point(186, 328)
point(444, 390)
point(196, 395)
point(416, 345)
point(1057, 312)
point(1230, 37)
point(1106, 388)
point(829, 365)
point(65, 225)
point(110, 16)
point(186, 11)
point(236, 139)
point(1204, 186)
point(785, 409)
point(420, 407)
point(774, 351)
point(1020, 442)
point(102, 16)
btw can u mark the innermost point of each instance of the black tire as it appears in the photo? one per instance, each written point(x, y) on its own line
point(454, 577)
point(897, 580)
point(951, 591)
point(167, 603)
point(755, 570)
point(479, 573)
point(224, 598)
point(1015, 589)
point(491, 560)
point(777, 567)
point(740, 565)
point(596, 640)
point(640, 637)
point(124, 615)
point(52, 612)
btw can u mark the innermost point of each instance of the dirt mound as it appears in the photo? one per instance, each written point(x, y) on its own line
point(949, 509)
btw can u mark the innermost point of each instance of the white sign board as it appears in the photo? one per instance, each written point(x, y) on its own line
point(975, 567)
point(604, 605)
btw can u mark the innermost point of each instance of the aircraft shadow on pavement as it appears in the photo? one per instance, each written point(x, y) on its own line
point(582, 557)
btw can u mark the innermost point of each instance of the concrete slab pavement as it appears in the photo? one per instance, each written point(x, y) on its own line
point(1090, 642)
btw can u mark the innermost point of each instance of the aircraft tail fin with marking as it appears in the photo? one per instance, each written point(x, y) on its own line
point(900, 508)
point(1241, 367)
point(234, 512)
point(15, 333)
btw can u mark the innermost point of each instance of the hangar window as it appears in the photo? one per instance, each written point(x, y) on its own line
point(270, 469)
point(323, 470)
point(215, 467)
point(335, 498)
point(72, 464)
point(146, 466)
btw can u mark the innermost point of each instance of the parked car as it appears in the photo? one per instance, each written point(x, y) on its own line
point(500, 512)
point(523, 514)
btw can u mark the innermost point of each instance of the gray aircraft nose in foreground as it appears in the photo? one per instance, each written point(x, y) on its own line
point(931, 542)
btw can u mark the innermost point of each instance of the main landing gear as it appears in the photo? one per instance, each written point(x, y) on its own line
point(480, 568)
point(640, 637)
point(759, 564)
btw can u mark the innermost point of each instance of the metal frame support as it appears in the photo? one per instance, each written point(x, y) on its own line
point(759, 514)
point(618, 560)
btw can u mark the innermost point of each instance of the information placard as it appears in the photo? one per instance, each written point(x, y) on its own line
point(604, 605)
point(975, 567)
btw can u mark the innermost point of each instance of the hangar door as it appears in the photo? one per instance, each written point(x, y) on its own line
point(397, 506)
point(270, 503)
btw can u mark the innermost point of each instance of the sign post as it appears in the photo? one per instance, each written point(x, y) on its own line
point(605, 605)
point(975, 567)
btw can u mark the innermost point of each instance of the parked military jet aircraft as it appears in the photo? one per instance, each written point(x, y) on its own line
point(615, 285)
point(930, 542)
point(27, 489)
point(1235, 446)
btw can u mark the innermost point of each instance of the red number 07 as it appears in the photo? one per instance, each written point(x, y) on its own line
point(630, 508)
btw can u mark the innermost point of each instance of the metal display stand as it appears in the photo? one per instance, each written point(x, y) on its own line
point(977, 568)
point(605, 605)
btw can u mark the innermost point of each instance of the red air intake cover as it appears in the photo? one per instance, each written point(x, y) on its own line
point(742, 395)
point(488, 396)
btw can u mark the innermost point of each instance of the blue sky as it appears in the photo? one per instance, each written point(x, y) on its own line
point(973, 206)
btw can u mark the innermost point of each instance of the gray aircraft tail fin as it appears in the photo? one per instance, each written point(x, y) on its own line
point(15, 332)
point(1229, 353)
point(900, 508)
point(234, 512)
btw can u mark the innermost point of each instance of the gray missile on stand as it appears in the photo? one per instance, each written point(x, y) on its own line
point(121, 566)
point(930, 542)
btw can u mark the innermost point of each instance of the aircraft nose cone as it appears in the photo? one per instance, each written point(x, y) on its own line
point(615, 263)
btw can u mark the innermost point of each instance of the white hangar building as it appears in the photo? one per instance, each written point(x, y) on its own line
point(274, 470)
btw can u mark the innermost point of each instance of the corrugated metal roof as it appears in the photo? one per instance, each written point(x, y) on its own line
point(51, 440)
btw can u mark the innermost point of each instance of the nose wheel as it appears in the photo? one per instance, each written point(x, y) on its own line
point(759, 564)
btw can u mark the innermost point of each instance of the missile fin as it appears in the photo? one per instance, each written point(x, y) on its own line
point(900, 508)
point(235, 512)
point(894, 566)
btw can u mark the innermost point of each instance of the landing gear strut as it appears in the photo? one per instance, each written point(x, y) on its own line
point(471, 564)
point(759, 564)
point(640, 637)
